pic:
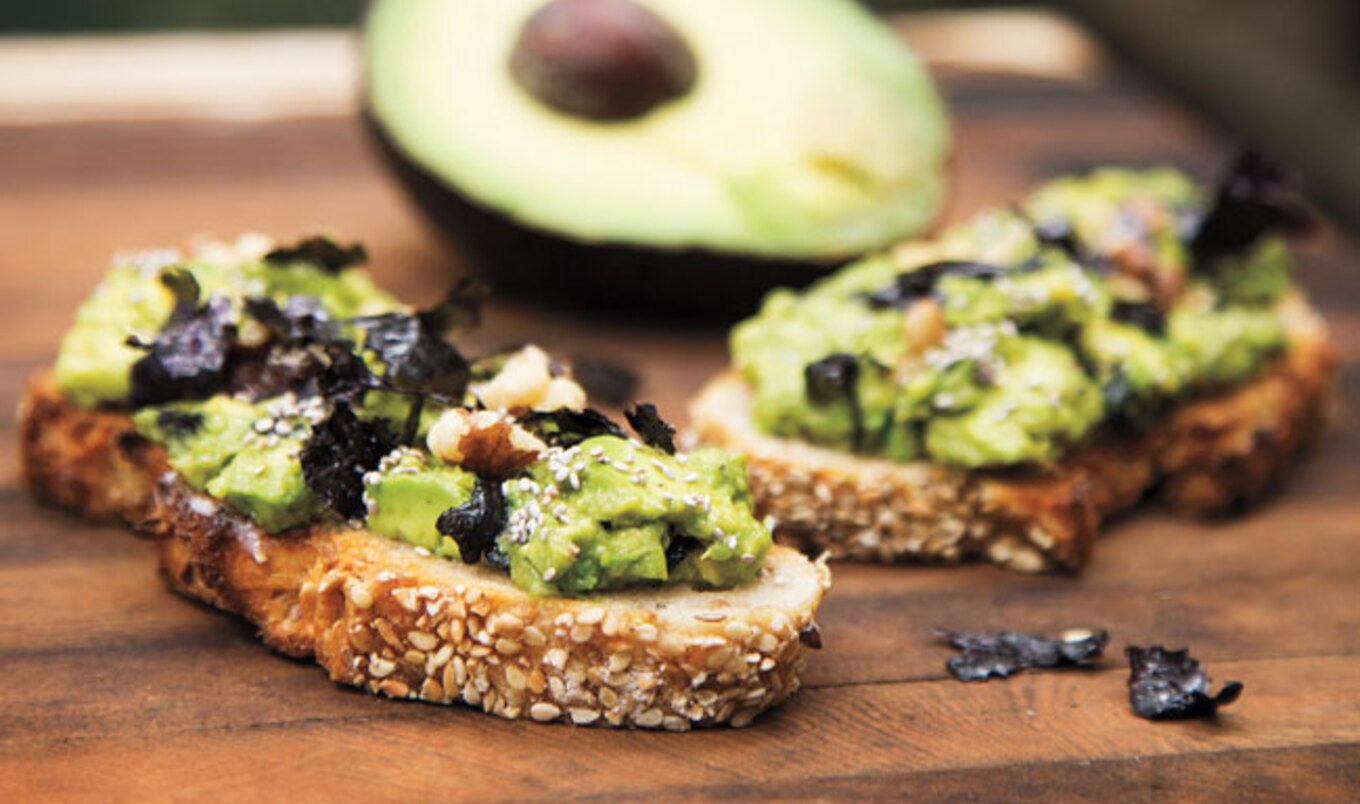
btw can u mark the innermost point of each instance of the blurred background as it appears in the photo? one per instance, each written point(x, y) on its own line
point(1282, 75)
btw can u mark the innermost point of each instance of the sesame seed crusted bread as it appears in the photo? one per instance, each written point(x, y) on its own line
point(1212, 455)
point(383, 615)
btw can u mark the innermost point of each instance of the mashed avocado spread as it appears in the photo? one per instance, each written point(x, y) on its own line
point(287, 385)
point(1016, 335)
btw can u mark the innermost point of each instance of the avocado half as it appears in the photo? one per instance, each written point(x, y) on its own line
point(655, 154)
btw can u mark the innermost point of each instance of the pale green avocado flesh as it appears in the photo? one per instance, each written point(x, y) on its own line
point(642, 517)
point(233, 450)
point(811, 132)
point(1032, 362)
point(603, 514)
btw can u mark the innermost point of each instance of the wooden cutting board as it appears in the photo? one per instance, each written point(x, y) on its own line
point(117, 689)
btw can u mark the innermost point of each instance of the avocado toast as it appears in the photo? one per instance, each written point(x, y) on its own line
point(1002, 389)
point(311, 454)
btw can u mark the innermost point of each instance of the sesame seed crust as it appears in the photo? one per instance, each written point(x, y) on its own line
point(377, 615)
point(1211, 455)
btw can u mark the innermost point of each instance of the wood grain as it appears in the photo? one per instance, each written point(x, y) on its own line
point(117, 690)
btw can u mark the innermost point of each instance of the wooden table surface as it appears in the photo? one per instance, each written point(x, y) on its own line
point(114, 688)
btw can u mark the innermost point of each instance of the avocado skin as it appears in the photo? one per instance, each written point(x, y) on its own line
point(617, 279)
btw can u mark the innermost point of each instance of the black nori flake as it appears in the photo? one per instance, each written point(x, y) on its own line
point(910, 286)
point(1004, 653)
point(340, 451)
point(301, 319)
point(1252, 200)
point(833, 378)
point(605, 382)
point(178, 423)
point(415, 358)
point(811, 635)
point(1146, 317)
point(322, 252)
point(345, 376)
point(189, 356)
point(301, 356)
point(563, 428)
point(655, 431)
point(475, 524)
point(460, 311)
point(1169, 685)
point(680, 547)
point(1125, 410)
point(413, 349)
point(1058, 232)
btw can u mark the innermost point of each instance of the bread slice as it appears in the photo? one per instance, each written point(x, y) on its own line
point(1214, 454)
point(380, 614)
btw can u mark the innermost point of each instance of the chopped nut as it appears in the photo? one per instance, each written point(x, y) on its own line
point(526, 382)
point(483, 442)
point(923, 325)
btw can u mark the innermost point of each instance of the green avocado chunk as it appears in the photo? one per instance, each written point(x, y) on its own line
point(241, 452)
point(1082, 307)
point(407, 494)
point(1041, 402)
point(609, 513)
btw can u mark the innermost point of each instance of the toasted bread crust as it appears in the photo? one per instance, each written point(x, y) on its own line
point(379, 614)
point(1213, 455)
point(89, 461)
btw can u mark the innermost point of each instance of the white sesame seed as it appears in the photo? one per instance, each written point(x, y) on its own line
point(591, 616)
point(584, 717)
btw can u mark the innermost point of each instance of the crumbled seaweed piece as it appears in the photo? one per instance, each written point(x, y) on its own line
point(563, 428)
point(655, 431)
point(460, 310)
point(301, 319)
point(605, 382)
point(1252, 199)
point(680, 547)
point(341, 449)
point(912, 285)
point(811, 636)
point(497, 558)
point(189, 356)
point(1127, 411)
point(1004, 653)
point(345, 375)
point(833, 378)
point(178, 423)
point(475, 524)
point(1146, 317)
point(322, 252)
point(1058, 233)
point(1117, 390)
point(416, 358)
point(1169, 685)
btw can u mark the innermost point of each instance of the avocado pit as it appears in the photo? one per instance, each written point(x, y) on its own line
point(601, 60)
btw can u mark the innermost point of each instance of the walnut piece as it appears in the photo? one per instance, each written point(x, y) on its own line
point(484, 442)
point(525, 382)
